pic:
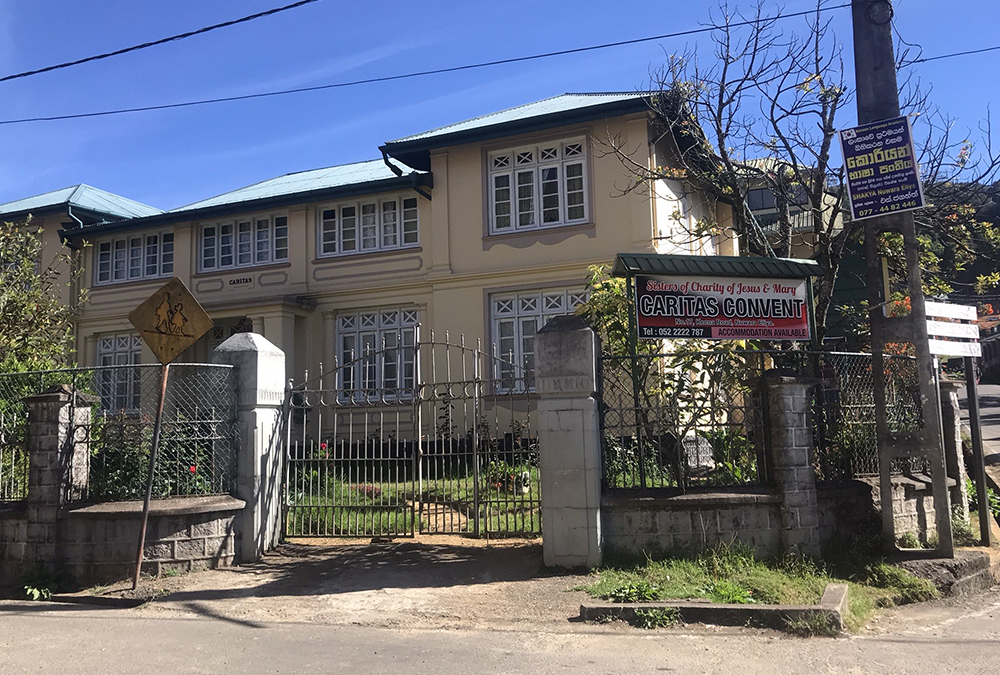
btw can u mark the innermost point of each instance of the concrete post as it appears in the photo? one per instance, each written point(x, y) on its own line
point(58, 465)
point(260, 374)
point(570, 443)
point(788, 400)
point(953, 455)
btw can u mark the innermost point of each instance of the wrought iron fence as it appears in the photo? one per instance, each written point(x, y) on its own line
point(444, 444)
point(198, 444)
point(699, 419)
point(683, 420)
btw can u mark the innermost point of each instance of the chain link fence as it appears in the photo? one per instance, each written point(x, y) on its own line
point(699, 419)
point(198, 442)
point(846, 437)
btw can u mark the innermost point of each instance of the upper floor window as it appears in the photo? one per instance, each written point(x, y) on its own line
point(365, 226)
point(243, 242)
point(376, 352)
point(538, 186)
point(134, 257)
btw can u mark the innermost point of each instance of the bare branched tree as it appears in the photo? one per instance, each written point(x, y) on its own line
point(762, 114)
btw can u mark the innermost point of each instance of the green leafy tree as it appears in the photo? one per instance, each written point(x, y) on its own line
point(36, 322)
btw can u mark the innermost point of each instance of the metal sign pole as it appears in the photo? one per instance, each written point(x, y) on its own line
point(978, 462)
point(149, 476)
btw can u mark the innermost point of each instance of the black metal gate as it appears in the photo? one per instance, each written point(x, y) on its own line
point(413, 437)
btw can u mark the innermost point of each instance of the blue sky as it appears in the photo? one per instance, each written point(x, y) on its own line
point(174, 157)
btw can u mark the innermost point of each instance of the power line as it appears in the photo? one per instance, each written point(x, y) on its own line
point(420, 73)
point(953, 54)
point(154, 43)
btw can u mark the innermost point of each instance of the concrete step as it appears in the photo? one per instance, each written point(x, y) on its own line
point(972, 570)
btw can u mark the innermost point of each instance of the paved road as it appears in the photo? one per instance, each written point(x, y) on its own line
point(989, 406)
point(960, 636)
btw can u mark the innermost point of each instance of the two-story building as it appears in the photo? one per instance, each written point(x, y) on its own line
point(484, 228)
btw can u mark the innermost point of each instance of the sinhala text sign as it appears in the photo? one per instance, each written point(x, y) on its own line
point(721, 308)
point(881, 169)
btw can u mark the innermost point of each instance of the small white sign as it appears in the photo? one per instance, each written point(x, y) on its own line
point(968, 331)
point(948, 348)
point(945, 310)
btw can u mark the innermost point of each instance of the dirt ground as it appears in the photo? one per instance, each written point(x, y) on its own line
point(436, 582)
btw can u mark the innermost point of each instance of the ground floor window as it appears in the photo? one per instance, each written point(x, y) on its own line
point(375, 352)
point(226, 328)
point(119, 387)
point(516, 317)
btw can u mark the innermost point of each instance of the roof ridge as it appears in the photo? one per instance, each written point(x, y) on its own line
point(320, 168)
point(514, 113)
point(487, 115)
point(76, 190)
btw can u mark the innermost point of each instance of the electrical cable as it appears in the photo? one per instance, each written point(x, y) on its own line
point(154, 43)
point(420, 73)
point(948, 56)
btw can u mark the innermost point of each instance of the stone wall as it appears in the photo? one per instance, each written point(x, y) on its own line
point(692, 523)
point(913, 506)
point(13, 535)
point(96, 543)
point(848, 517)
point(184, 534)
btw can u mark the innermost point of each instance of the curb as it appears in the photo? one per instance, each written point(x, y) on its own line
point(98, 600)
point(832, 605)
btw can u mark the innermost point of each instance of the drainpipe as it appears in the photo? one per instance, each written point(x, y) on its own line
point(413, 177)
point(76, 268)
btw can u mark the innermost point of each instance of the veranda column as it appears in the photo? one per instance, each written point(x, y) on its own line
point(569, 443)
point(260, 394)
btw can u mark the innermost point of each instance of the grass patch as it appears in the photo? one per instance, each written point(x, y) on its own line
point(733, 574)
point(817, 623)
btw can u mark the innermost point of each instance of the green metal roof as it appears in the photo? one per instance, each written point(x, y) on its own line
point(299, 182)
point(84, 197)
point(295, 188)
point(713, 265)
point(545, 114)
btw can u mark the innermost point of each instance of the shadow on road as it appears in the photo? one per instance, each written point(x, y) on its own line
point(301, 570)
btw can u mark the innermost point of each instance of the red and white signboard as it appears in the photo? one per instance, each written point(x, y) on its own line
point(722, 308)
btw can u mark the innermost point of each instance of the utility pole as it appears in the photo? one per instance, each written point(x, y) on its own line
point(878, 99)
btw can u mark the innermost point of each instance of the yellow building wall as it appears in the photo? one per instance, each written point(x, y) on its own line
point(449, 277)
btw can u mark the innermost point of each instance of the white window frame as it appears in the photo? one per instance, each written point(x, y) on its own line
point(376, 352)
point(367, 226)
point(248, 241)
point(119, 387)
point(519, 177)
point(515, 318)
point(134, 257)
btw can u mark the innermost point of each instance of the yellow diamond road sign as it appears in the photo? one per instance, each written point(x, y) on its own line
point(170, 320)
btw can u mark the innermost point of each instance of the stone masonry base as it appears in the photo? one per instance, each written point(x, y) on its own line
point(97, 542)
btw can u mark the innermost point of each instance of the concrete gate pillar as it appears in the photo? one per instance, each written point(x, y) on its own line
point(58, 466)
point(260, 396)
point(569, 442)
point(792, 449)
